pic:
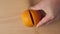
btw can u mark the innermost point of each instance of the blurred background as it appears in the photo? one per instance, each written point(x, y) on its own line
point(10, 21)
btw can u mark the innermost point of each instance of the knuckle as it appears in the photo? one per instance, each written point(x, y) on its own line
point(52, 17)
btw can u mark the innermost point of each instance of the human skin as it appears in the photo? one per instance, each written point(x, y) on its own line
point(50, 7)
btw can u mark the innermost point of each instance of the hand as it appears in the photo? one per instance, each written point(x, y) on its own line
point(50, 7)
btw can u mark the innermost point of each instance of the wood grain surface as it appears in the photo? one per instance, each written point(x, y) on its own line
point(10, 21)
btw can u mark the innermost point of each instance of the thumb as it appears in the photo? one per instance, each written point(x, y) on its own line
point(46, 19)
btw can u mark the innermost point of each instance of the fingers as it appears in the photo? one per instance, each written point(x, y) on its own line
point(35, 8)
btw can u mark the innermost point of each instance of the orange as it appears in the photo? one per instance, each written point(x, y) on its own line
point(31, 17)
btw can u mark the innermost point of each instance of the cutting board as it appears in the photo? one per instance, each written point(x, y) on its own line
point(10, 21)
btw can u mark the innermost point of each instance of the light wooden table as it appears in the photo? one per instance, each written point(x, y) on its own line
point(10, 21)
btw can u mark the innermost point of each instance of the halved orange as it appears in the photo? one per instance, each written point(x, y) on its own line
point(31, 17)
